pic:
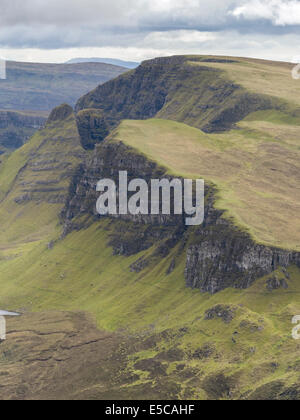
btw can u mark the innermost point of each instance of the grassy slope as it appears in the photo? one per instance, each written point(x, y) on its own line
point(254, 349)
point(149, 304)
point(262, 77)
point(16, 127)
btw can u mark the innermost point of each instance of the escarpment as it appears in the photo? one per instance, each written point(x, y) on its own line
point(175, 88)
point(51, 162)
point(218, 255)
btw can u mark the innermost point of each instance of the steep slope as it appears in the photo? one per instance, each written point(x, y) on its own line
point(169, 340)
point(255, 170)
point(37, 177)
point(185, 89)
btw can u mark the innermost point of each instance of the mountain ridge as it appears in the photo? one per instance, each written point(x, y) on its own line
point(113, 61)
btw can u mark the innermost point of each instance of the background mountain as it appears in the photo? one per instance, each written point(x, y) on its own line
point(115, 62)
point(35, 89)
point(183, 312)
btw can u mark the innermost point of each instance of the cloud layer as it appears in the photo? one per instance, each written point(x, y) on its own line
point(279, 12)
point(151, 26)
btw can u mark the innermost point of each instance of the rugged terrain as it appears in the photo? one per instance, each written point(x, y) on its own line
point(184, 312)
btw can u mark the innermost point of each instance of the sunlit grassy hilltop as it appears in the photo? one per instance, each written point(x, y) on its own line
point(256, 169)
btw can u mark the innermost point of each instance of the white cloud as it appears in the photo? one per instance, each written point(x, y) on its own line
point(173, 39)
point(280, 47)
point(279, 12)
point(56, 30)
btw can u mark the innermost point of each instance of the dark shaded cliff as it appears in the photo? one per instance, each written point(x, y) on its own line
point(217, 254)
point(175, 88)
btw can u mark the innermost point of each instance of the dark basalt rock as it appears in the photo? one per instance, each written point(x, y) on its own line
point(204, 352)
point(92, 127)
point(224, 312)
point(274, 283)
point(139, 265)
point(172, 267)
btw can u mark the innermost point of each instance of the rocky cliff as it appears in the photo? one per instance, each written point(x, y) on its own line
point(175, 88)
point(217, 254)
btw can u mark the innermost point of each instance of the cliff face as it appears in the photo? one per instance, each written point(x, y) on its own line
point(224, 257)
point(92, 127)
point(16, 128)
point(217, 254)
point(175, 88)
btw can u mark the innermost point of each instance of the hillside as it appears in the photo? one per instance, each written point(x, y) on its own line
point(202, 312)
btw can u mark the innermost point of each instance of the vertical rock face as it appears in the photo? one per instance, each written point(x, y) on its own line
point(92, 127)
point(218, 255)
point(226, 258)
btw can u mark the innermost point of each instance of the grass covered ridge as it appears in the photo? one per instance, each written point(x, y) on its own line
point(255, 168)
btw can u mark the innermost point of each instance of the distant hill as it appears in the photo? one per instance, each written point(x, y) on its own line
point(41, 87)
point(113, 61)
point(31, 90)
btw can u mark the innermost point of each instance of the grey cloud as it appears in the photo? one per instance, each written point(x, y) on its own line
point(94, 23)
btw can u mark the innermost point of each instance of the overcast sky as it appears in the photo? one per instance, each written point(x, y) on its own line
point(57, 30)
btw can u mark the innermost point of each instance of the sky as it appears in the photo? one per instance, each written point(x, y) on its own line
point(58, 30)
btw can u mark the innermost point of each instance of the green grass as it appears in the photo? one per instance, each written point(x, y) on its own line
point(80, 272)
point(70, 277)
point(262, 77)
point(255, 168)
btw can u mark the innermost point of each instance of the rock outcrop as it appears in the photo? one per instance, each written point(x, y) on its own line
point(92, 127)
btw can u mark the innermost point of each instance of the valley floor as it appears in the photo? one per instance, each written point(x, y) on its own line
point(179, 343)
